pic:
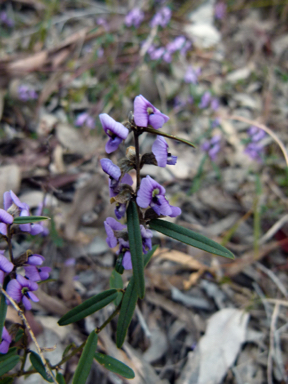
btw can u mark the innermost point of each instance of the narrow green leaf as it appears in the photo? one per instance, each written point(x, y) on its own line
point(190, 237)
point(161, 133)
point(36, 361)
point(88, 307)
point(68, 349)
point(114, 365)
point(86, 360)
point(3, 310)
point(5, 356)
point(135, 242)
point(115, 280)
point(128, 305)
point(19, 334)
point(29, 219)
point(8, 364)
point(60, 378)
point(7, 380)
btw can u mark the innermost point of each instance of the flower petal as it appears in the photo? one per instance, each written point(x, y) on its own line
point(5, 217)
point(5, 264)
point(113, 126)
point(110, 168)
point(157, 119)
point(35, 259)
point(26, 303)
point(112, 144)
point(31, 273)
point(159, 149)
point(3, 229)
point(14, 290)
point(126, 261)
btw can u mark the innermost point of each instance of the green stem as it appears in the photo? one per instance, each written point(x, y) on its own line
point(160, 133)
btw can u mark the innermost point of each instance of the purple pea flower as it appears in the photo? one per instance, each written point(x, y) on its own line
point(176, 44)
point(134, 17)
point(116, 132)
point(156, 53)
point(85, 119)
point(212, 147)
point(5, 267)
point(101, 21)
point(162, 17)
point(205, 100)
point(256, 133)
point(33, 271)
point(10, 198)
point(21, 289)
point(5, 341)
point(191, 75)
point(146, 235)
point(4, 19)
point(26, 93)
point(215, 103)
point(146, 114)
point(126, 261)
point(113, 171)
point(185, 48)
point(160, 151)
point(113, 229)
point(220, 10)
point(255, 151)
point(152, 194)
point(5, 218)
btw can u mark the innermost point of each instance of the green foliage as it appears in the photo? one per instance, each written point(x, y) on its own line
point(38, 365)
point(11, 352)
point(8, 364)
point(128, 304)
point(135, 242)
point(117, 283)
point(60, 378)
point(88, 307)
point(29, 219)
point(86, 360)
point(3, 311)
point(114, 365)
point(190, 237)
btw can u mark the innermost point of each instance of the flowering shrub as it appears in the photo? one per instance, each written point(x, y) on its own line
point(141, 207)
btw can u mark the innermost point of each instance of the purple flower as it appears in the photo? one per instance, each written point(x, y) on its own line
point(152, 194)
point(162, 17)
point(26, 93)
point(255, 151)
point(4, 19)
point(101, 21)
point(215, 104)
point(113, 171)
point(176, 44)
point(185, 48)
point(34, 228)
point(126, 261)
point(134, 17)
point(215, 122)
point(5, 267)
point(21, 289)
point(85, 119)
point(256, 133)
point(156, 53)
point(212, 147)
point(146, 114)
point(220, 10)
point(191, 75)
point(160, 151)
point(113, 229)
point(5, 341)
point(205, 100)
point(116, 132)
point(36, 274)
point(10, 198)
point(146, 235)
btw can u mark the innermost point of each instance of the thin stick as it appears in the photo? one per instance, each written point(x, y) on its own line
point(23, 318)
point(266, 129)
point(271, 349)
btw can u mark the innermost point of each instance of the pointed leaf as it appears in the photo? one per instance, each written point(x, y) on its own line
point(190, 237)
point(29, 219)
point(161, 133)
point(11, 352)
point(86, 360)
point(8, 364)
point(3, 310)
point(135, 242)
point(36, 361)
point(128, 305)
point(114, 365)
point(60, 378)
point(88, 307)
point(117, 283)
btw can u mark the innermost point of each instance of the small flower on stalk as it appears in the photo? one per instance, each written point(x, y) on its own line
point(162, 17)
point(205, 100)
point(114, 231)
point(113, 171)
point(134, 17)
point(156, 53)
point(5, 267)
point(85, 119)
point(152, 194)
point(160, 151)
point(191, 75)
point(215, 103)
point(256, 134)
point(255, 151)
point(21, 289)
point(146, 114)
point(212, 147)
point(33, 271)
point(116, 132)
point(5, 341)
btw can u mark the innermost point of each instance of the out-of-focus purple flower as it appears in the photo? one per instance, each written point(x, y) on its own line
point(176, 44)
point(21, 289)
point(5, 267)
point(134, 17)
point(5, 341)
point(256, 133)
point(220, 10)
point(212, 147)
point(255, 151)
point(156, 53)
point(162, 17)
point(215, 103)
point(26, 93)
point(167, 57)
point(146, 235)
point(100, 52)
point(185, 48)
point(101, 21)
point(160, 151)
point(116, 132)
point(191, 75)
point(205, 100)
point(146, 114)
point(152, 194)
point(85, 119)
point(70, 262)
point(5, 20)
point(113, 229)
point(215, 122)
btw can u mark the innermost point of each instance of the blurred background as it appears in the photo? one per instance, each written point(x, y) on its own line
point(219, 70)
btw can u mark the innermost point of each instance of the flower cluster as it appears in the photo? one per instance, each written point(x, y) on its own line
point(255, 147)
point(26, 93)
point(180, 43)
point(162, 17)
point(149, 194)
point(134, 17)
point(20, 286)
